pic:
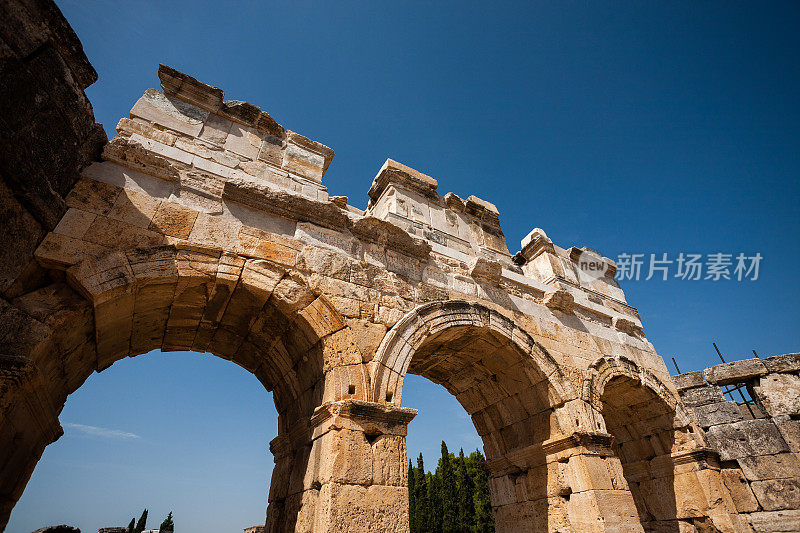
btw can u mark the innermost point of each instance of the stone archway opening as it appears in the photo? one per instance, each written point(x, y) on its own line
point(507, 399)
point(509, 387)
point(253, 312)
point(673, 479)
point(641, 424)
point(167, 431)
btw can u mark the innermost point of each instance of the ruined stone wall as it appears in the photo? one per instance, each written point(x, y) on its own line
point(758, 445)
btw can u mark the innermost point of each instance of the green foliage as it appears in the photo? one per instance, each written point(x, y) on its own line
point(454, 498)
point(465, 490)
point(140, 525)
point(167, 524)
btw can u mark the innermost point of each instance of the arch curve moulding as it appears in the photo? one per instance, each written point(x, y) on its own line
point(206, 226)
point(395, 353)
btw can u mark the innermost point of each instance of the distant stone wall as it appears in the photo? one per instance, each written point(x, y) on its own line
point(758, 445)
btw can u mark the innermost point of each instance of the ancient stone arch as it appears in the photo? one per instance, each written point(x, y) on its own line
point(206, 226)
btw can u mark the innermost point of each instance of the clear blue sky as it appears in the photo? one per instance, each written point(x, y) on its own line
point(639, 127)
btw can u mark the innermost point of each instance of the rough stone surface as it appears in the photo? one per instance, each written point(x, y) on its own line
point(735, 371)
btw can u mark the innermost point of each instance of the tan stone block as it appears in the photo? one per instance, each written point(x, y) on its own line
point(368, 336)
point(252, 245)
point(228, 272)
point(358, 509)
point(114, 325)
point(115, 233)
point(216, 129)
point(588, 472)
point(173, 219)
point(217, 231)
point(148, 330)
point(739, 488)
point(342, 456)
point(304, 162)
point(60, 251)
point(93, 196)
point(193, 147)
point(243, 140)
point(779, 394)
point(271, 150)
point(146, 130)
point(134, 208)
point(291, 294)
point(258, 280)
point(74, 223)
point(170, 112)
point(775, 521)
point(343, 382)
point(324, 262)
point(603, 510)
point(760, 467)
point(345, 306)
point(339, 349)
point(389, 461)
point(225, 158)
point(320, 319)
point(777, 494)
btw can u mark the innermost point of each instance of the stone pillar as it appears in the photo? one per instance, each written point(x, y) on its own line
point(357, 475)
point(570, 482)
point(28, 424)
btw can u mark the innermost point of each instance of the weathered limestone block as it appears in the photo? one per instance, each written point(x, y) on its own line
point(359, 509)
point(389, 461)
point(170, 112)
point(560, 300)
point(783, 363)
point(342, 456)
point(615, 507)
point(689, 380)
point(777, 494)
point(775, 521)
point(173, 219)
point(702, 396)
point(746, 438)
point(740, 491)
point(790, 431)
point(717, 413)
point(305, 157)
point(626, 325)
point(735, 371)
point(779, 394)
point(761, 467)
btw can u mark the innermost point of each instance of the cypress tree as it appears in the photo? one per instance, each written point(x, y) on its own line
point(447, 489)
point(434, 503)
point(167, 525)
point(142, 523)
point(422, 512)
point(466, 495)
point(132, 525)
point(462, 480)
point(412, 496)
point(484, 519)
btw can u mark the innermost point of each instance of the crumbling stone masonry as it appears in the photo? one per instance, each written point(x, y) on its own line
point(206, 226)
point(758, 445)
